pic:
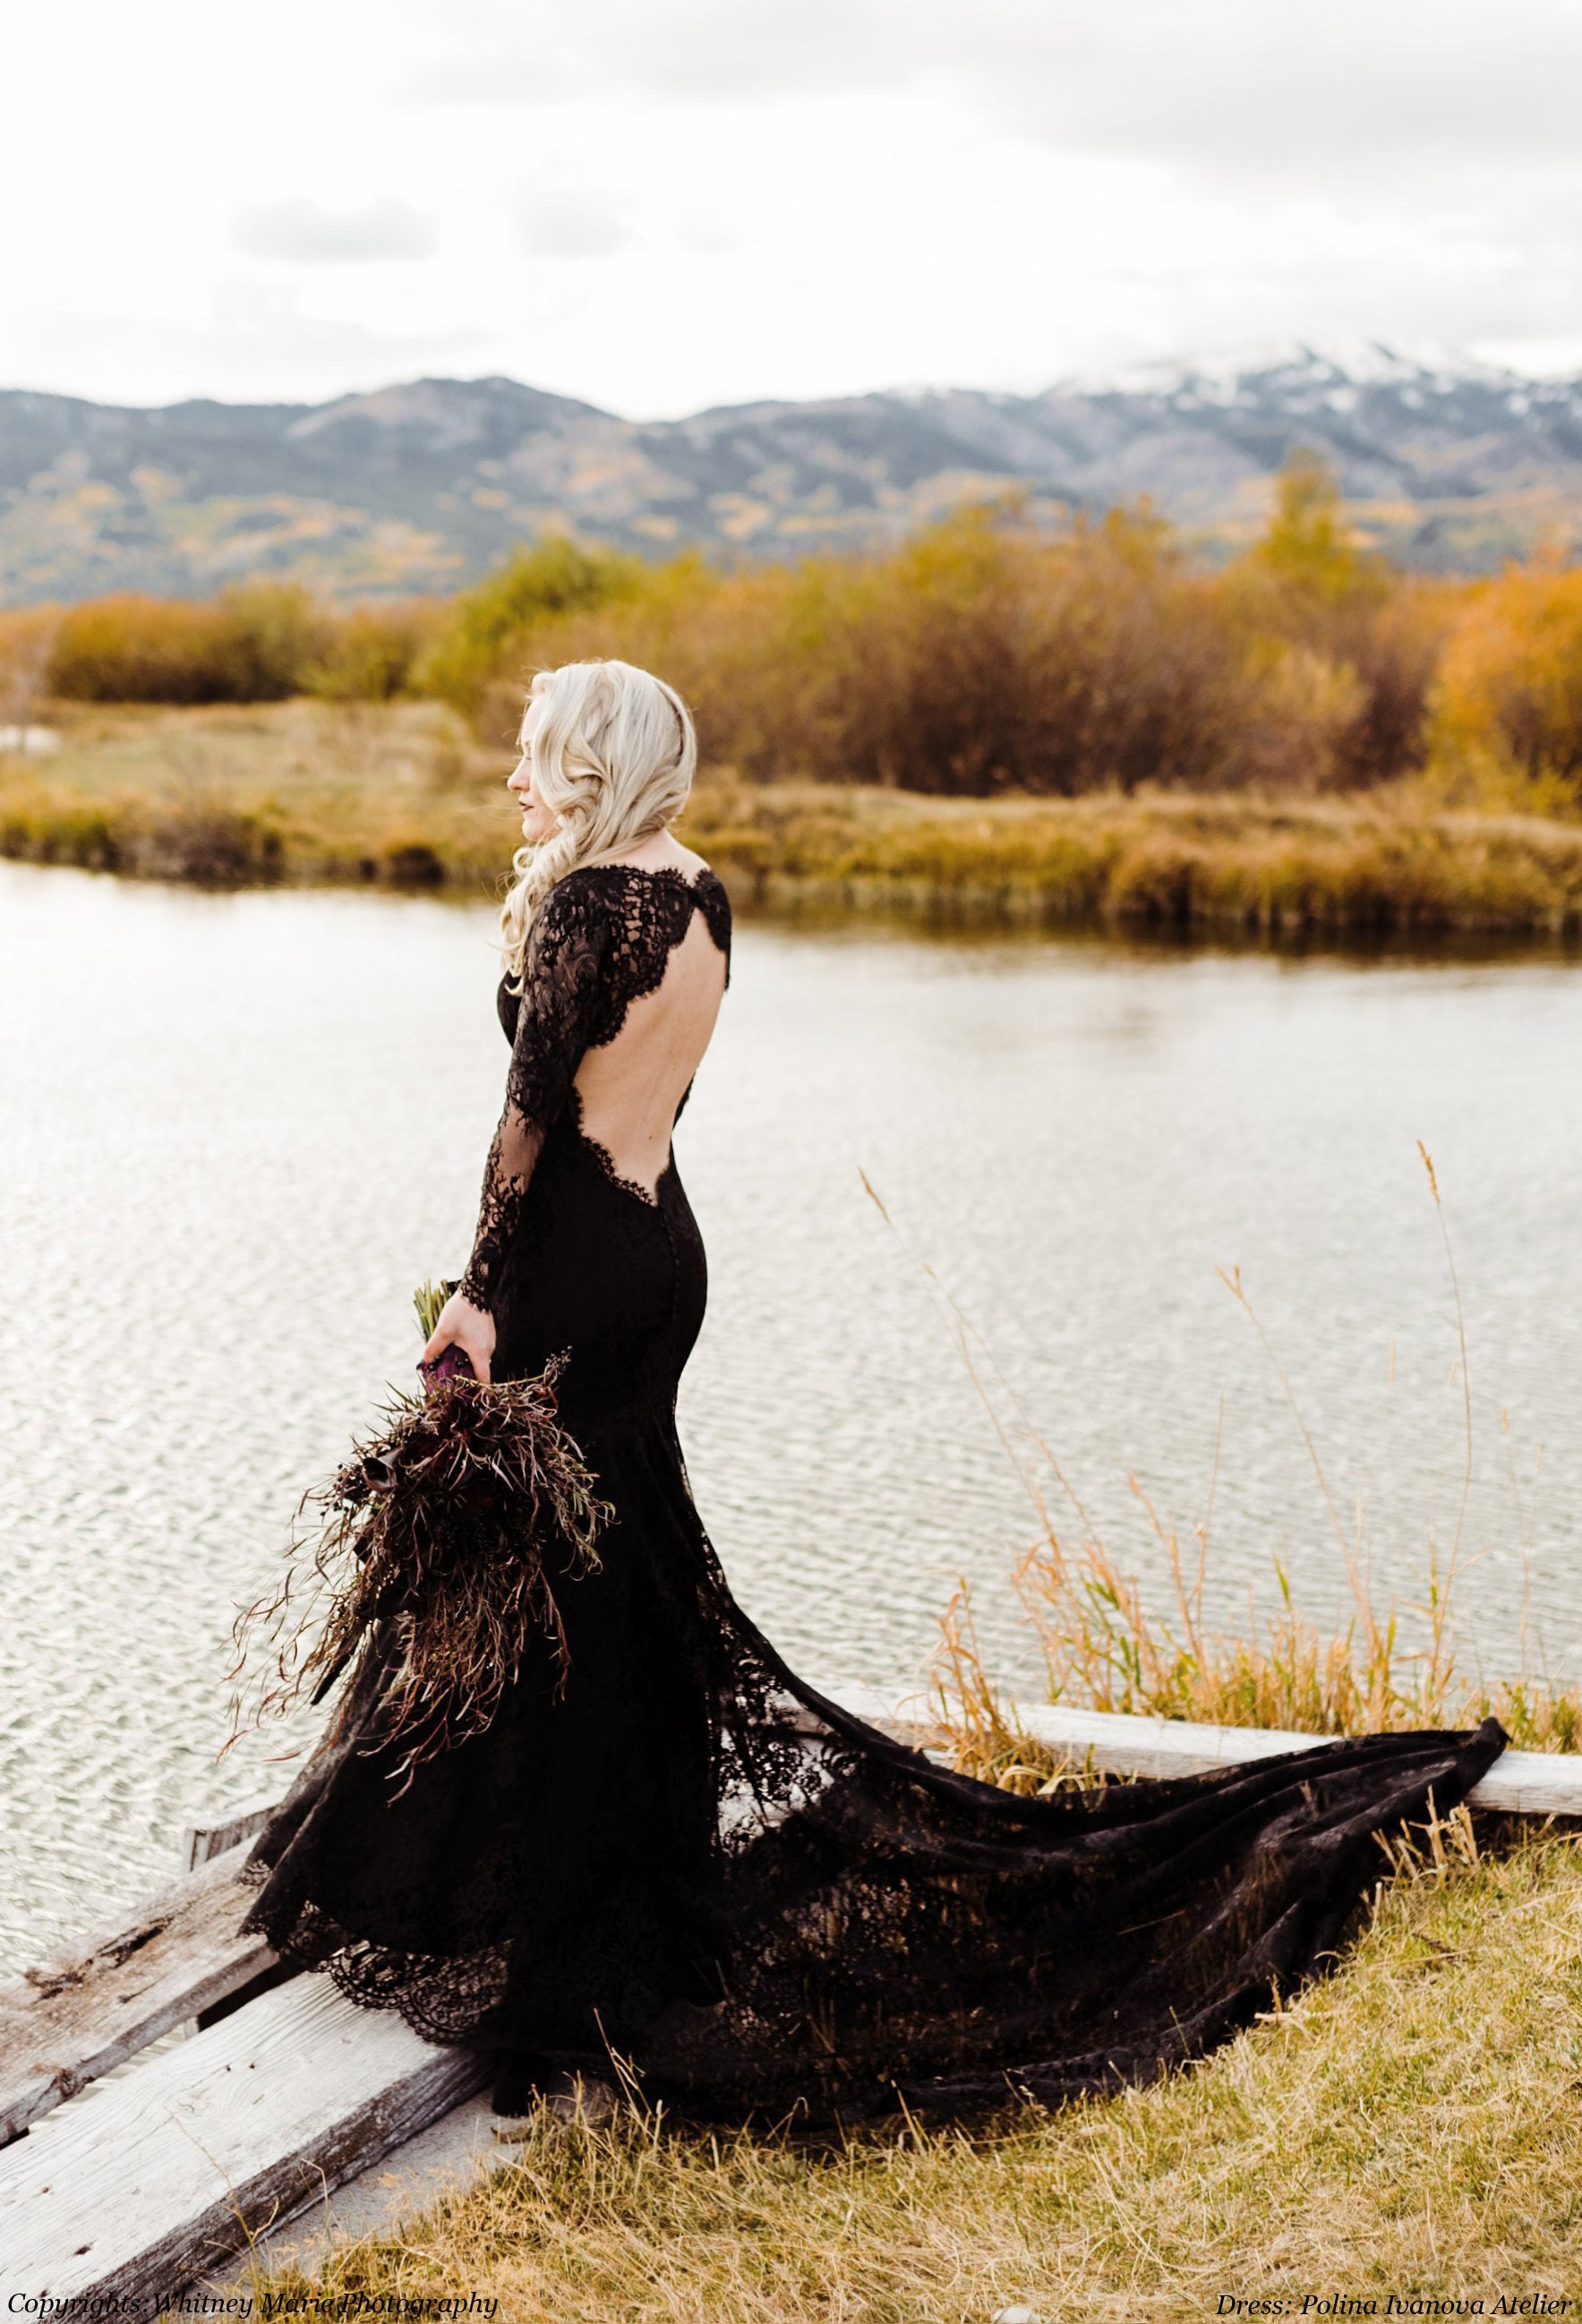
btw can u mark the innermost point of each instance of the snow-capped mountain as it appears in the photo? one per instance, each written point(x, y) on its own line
point(1449, 464)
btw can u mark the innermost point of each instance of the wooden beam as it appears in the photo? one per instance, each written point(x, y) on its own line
point(72, 2019)
point(1520, 1783)
point(202, 1841)
point(454, 2154)
point(158, 2177)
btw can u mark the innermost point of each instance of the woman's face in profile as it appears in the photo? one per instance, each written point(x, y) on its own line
point(537, 820)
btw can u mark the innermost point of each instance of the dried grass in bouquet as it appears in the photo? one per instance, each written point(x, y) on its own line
point(453, 1527)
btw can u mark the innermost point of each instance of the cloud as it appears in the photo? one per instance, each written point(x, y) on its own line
point(573, 222)
point(709, 229)
point(1230, 86)
point(661, 203)
point(245, 346)
point(1326, 91)
point(307, 234)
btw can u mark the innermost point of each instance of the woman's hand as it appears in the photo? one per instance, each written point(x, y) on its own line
point(462, 1326)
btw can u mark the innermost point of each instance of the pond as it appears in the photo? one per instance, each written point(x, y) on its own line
point(237, 1130)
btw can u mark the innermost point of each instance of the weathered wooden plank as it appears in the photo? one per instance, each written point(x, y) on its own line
point(202, 1841)
point(450, 2158)
point(72, 2019)
point(1520, 1783)
point(153, 2179)
point(1532, 1784)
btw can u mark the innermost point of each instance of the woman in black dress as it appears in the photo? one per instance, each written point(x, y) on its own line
point(664, 1846)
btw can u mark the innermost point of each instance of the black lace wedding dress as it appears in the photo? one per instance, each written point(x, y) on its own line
point(685, 1854)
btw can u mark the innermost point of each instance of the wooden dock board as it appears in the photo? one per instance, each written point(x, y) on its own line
point(204, 1840)
point(152, 2180)
point(1520, 1783)
point(73, 2019)
point(450, 2159)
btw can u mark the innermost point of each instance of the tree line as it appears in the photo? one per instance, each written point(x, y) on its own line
point(981, 657)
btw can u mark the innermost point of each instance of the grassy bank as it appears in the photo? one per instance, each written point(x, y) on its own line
point(1410, 2126)
point(400, 793)
point(1390, 864)
point(301, 790)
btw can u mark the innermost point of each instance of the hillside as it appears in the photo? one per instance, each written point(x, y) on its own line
point(418, 488)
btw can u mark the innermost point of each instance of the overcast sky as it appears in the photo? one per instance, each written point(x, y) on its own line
point(657, 205)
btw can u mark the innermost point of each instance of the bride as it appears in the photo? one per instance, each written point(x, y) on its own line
point(664, 1848)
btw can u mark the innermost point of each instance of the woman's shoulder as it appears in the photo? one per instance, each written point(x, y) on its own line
point(617, 886)
point(664, 896)
point(645, 906)
point(715, 904)
point(660, 858)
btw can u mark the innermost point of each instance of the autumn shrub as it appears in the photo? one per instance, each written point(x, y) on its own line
point(1346, 648)
point(984, 658)
point(369, 653)
point(759, 655)
point(249, 644)
point(262, 642)
point(1511, 682)
point(490, 628)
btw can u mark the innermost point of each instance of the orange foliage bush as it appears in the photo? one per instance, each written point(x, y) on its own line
point(247, 645)
point(982, 657)
point(1511, 684)
point(985, 656)
point(979, 657)
point(262, 642)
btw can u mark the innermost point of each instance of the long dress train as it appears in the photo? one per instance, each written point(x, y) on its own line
point(685, 1854)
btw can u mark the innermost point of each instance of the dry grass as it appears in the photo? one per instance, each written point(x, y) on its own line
point(1409, 2126)
point(312, 790)
point(304, 790)
point(1394, 862)
point(1107, 1648)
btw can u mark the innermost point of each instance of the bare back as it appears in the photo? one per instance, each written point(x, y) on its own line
point(626, 965)
point(631, 1090)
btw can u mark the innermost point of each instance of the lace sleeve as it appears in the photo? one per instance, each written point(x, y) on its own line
point(560, 996)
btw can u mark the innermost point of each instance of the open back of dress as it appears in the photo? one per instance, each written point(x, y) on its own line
point(624, 971)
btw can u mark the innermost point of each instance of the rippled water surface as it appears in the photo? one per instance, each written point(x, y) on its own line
point(235, 1130)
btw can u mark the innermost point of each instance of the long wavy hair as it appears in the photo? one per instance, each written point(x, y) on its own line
point(614, 755)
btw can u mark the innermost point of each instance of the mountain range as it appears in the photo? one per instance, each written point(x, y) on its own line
point(1448, 465)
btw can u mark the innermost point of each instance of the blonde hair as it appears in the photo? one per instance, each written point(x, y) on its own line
point(614, 755)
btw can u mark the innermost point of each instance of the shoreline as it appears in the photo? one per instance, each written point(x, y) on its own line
point(400, 796)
